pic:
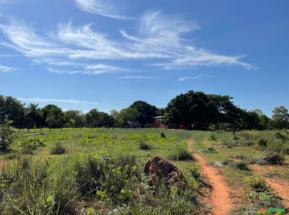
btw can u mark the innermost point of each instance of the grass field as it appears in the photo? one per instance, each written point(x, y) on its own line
point(43, 171)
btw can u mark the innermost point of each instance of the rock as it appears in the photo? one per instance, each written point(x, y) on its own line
point(161, 169)
point(217, 164)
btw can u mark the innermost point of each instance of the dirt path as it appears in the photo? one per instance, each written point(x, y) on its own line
point(279, 187)
point(220, 198)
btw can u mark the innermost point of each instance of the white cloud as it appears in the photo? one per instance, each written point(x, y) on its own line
point(181, 79)
point(6, 69)
point(140, 77)
point(108, 8)
point(57, 101)
point(159, 42)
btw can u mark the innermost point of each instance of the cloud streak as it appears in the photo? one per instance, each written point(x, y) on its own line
point(139, 77)
point(107, 8)
point(57, 101)
point(158, 43)
point(182, 79)
point(6, 69)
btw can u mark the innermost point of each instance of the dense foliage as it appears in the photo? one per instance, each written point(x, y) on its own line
point(192, 110)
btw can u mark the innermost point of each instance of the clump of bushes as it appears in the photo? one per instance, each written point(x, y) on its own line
point(144, 146)
point(108, 178)
point(181, 154)
point(57, 149)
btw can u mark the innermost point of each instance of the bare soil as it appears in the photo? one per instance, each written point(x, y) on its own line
point(220, 198)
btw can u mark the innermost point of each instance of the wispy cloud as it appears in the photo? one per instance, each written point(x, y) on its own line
point(57, 101)
point(140, 77)
point(7, 69)
point(108, 8)
point(181, 79)
point(159, 42)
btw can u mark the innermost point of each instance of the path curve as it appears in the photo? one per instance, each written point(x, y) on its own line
point(220, 199)
point(279, 187)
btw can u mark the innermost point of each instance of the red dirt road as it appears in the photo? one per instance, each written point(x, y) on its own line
point(220, 200)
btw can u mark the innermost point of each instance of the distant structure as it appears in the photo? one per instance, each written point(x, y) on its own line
point(159, 122)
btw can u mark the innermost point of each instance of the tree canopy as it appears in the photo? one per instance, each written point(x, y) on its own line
point(191, 110)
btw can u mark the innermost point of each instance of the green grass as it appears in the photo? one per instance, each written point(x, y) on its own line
point(80, 145)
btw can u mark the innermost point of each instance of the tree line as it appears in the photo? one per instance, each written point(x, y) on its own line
point(192, 110)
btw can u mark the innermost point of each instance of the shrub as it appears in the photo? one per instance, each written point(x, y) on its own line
point(6, 135)
point(280, 136)
point(181, 154)
point(263, 143)
point(58, 149)
point(29, 145)
point(144, 146)
point(241, 166)
point(213, 137)
point(107, 178)
point(256, 183)
point(273, 159)
point(210, 150)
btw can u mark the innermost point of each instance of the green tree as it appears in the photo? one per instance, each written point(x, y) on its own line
point(13, 110)
point(74, 119)
point(190, 110)
point(33, 116)
point(99, 119)
point(6, 135)
point(128, 118)
point(146, 112)
point(280, 117)
point(53, 116)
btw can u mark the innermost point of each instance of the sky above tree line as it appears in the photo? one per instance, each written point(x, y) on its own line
point(105, 54)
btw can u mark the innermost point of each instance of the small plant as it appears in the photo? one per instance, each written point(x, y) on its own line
point(57, 149)
point(181, 154)
point(144, 146)
point(256, 183)
point(263, 143)
point(210, 150)
point(213, 137)
point(241, 166)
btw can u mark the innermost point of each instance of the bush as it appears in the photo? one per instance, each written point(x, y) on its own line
point(263, 143)
point(144, 146)
point(241, 166)
point(107, 178)
point(6, 135)
point(213, 137)
point(256, 183)
point(273, 159)
point(58, 149)
point(181, 154)
point(29, 145)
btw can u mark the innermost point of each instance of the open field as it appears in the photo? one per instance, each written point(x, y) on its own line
point(46, 170)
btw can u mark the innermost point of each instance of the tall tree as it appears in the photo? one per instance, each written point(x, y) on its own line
point(33, 116)
point(280, 117)
point(53, 116)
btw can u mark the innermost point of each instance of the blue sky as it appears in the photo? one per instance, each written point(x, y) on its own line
point(105, 54)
